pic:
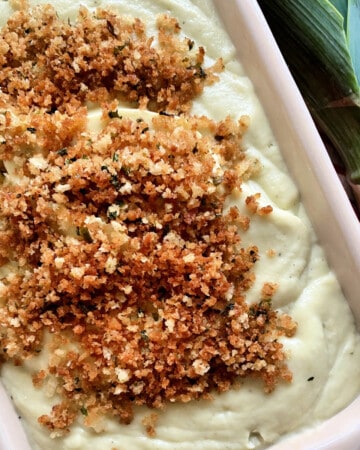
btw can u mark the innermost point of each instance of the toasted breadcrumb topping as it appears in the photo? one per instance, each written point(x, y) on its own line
point(118, 252)
point(49, 63)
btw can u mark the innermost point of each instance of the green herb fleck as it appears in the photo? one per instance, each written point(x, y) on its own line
point(84, 233)
point(114, 114)
point(62, 151)
point(126, 170)
point(229, 307)
point(112, 215)
point(165, 113)
point(120, 48)
point(144, 335)
point(115, 182)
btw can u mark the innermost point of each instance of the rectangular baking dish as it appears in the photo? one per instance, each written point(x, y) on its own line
point(324, 198)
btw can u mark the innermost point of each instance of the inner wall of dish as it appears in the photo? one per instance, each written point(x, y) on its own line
point(324, 198)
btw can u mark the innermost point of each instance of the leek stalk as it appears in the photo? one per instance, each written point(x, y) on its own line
point(320, 42)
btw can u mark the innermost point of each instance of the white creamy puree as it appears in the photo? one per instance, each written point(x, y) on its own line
point(326, 349)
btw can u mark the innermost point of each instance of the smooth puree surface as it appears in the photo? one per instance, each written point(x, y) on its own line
point(322, 355)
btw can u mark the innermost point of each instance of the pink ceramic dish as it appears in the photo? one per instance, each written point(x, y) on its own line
point(323, 196)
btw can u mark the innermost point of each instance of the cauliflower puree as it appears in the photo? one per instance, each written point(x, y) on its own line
point(321, 354)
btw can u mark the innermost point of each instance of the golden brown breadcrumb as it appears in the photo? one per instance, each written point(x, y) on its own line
point(120, 259)
point(49, 63)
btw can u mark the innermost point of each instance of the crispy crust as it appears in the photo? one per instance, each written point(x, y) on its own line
point(123, 257)
point(51, 64)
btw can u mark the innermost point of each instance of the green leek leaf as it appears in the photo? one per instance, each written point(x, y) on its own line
point(342, 7)
point(353, 34)
point(313, 41)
